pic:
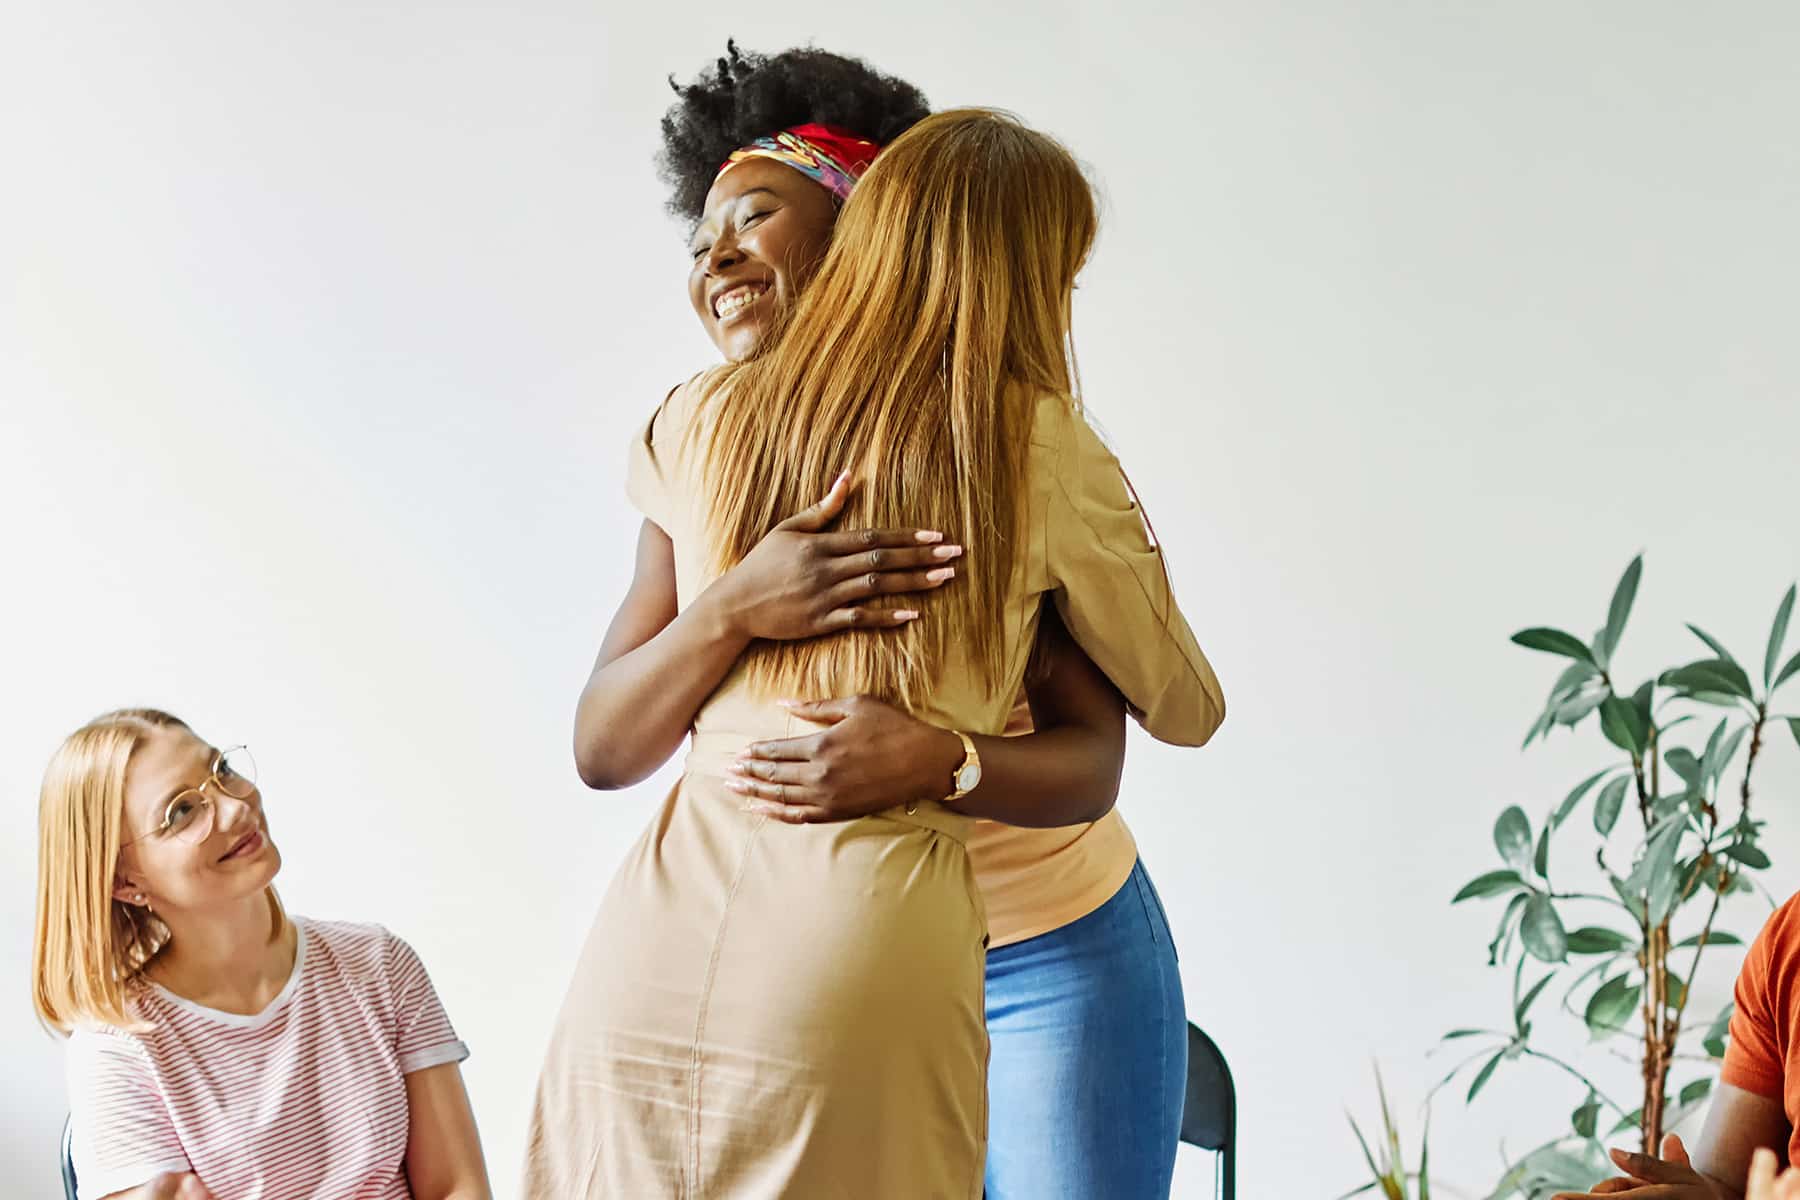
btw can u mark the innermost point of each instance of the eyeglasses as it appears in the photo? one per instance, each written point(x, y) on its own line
point(188, 817)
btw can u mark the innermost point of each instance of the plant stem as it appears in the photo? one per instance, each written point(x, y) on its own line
point(1585, 1081)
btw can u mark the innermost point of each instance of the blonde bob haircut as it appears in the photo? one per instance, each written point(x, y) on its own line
point(91, 949)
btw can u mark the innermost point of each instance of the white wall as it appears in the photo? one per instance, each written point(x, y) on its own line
point(323, 328)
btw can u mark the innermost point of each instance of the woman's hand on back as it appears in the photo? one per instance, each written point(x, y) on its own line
point(870, 757)
point(803, 579)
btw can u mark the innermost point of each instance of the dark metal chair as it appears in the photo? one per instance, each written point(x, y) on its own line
point(68, 1160)
point(1209, 1117)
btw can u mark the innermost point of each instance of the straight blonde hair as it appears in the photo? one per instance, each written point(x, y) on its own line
point(914, 360)
point(90, 948)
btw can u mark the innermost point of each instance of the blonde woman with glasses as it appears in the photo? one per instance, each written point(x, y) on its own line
point(217, 1046)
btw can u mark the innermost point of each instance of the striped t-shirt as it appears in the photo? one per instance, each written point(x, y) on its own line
point(305, 1099)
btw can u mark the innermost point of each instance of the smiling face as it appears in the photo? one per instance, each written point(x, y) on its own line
point(162, 863)
point(764, 233)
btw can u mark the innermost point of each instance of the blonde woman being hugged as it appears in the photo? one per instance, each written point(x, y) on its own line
point(772, 1006)
point(217, 1046)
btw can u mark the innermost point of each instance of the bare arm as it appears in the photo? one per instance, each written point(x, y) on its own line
point(654, 670)
point(443, 1149)
point(874, 756)
point(1736, 1124)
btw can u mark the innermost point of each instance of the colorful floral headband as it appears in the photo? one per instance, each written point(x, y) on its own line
point(831, 157)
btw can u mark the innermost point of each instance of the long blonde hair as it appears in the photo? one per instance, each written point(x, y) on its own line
point(90, 947)
point(914, 359)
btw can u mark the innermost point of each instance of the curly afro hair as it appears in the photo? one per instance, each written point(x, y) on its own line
point(747, 96)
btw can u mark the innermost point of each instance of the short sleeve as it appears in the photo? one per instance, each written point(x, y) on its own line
point(656, 475)
point(122, 1134)
point(644, 473)
point(423, 1035)
point(1112, 589)
point(1753, 1056)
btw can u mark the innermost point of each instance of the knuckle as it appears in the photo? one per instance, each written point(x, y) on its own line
point(872, 581)
point(877, 558)
point(868, 537)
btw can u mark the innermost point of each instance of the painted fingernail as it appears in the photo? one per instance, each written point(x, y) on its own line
point(941, 574)
point(738, 786)
point(840, 480)
point(787, 704)
point(928, 536)
point(906, 614)
point(947, 552)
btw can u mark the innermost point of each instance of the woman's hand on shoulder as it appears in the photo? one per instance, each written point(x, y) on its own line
point(870, 757)
point(804, 579)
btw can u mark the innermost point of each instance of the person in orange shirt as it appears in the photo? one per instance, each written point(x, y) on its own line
point(1757, 1104)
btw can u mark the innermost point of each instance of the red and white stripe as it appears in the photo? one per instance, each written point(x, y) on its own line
point(305, 1099)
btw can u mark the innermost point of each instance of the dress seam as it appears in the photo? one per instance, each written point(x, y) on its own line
point(712, 967)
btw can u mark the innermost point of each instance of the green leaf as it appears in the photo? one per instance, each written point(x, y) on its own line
point(1656, 873)
point(1751, 856)
point(1539, 727)
point(1425, 1159)
point(1554, 641)
point(1674, 991)
point(1574, 676)
point(1717, 937)
point(1574, 710)
point(1524, 1005)
point(1606, 808)
point(1644, 698)
point(1681, 760)
point(1696, 1090)
point(1481, 1077)
point(1512, 837)
point(1542, 931)
point(1611, 1006)
point(1620, 609)
point(1712, 644)
point(1493, 883)
point(1623, 724)
point(1585, 1118)
point(1794, 728)
point(1788, 672)
point(1513, 908)
point(1721, 757)
point(1777, 635)
point(1467, 1033)
point(1370, 1158)
point(1631, 1120)
point(1596, 939)
point(1721, 1027)
point(1709, 675)
point(1541, 860)
point(1574, 797)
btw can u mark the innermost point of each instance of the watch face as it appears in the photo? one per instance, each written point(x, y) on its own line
point(968, 778)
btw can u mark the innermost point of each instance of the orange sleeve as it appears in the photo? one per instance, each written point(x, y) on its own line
point(1753, 1059)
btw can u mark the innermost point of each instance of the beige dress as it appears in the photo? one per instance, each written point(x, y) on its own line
point(771, 1010)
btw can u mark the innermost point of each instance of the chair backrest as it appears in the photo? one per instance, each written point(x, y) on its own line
point(68, 1159)
point(1209, 1118)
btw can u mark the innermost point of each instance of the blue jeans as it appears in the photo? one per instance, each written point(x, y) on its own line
point(1089, 1061)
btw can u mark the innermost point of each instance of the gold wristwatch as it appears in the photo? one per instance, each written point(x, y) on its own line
point(967, 777)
